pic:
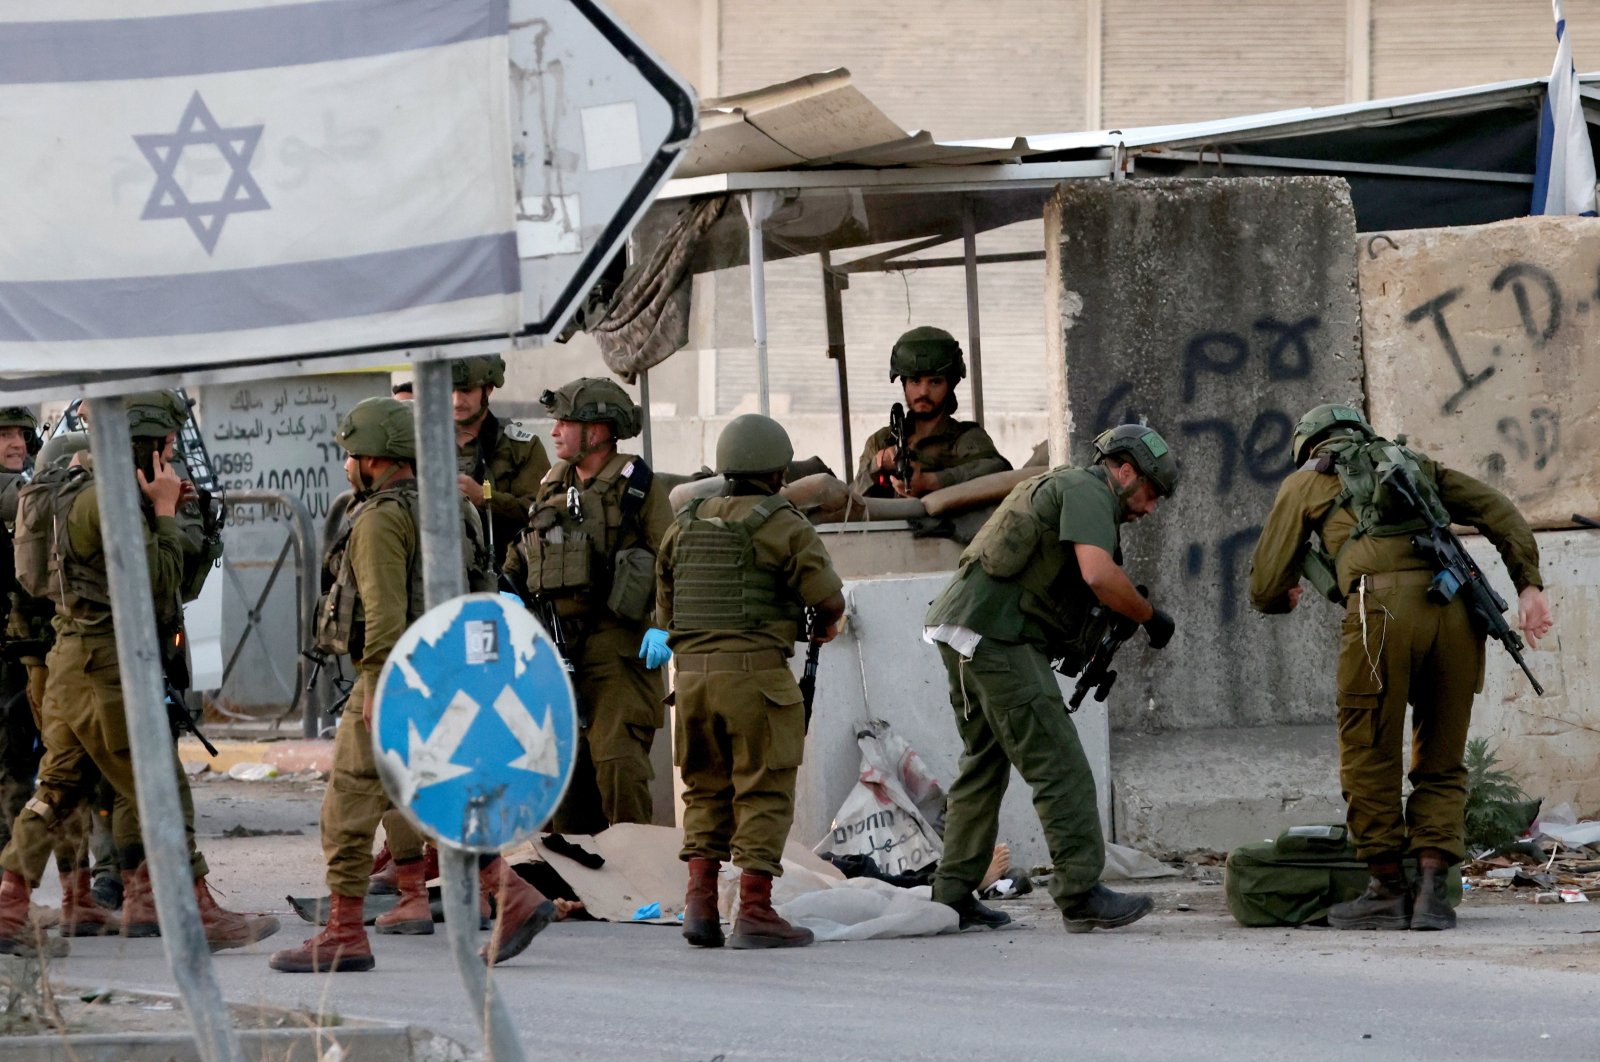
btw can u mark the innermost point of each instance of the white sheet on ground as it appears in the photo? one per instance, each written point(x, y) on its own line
point(1125, 864)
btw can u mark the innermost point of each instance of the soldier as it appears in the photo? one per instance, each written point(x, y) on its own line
point(1399, 644)
point(587, 564)
point(500, 461)
point(1034, 585)
point(376, 570)
point(734, 578)
point(18, 733)
point(29, 635)
point(944, 451)
point(83, 712)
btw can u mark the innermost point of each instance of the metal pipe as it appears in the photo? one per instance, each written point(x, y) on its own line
point(833, 312)
point(756, 208)
point(155, 766)
point(644, 419)
point(439, 505)
point(301, 535)
point(969, 242)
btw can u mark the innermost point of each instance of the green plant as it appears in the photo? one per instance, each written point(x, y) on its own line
point(1497, 808)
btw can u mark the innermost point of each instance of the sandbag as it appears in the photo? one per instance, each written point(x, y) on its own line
point(1293, 880)
point(684, 493)
point(975, 493)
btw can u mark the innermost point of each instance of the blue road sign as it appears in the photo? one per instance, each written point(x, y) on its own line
point(474, 726)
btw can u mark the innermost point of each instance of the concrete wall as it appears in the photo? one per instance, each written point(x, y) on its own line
point(879, 668)
point(1217, 312)
point(1480, 347)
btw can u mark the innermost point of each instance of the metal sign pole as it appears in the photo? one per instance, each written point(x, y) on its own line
point(440, 504)
point(150, 736)
point(757, 208)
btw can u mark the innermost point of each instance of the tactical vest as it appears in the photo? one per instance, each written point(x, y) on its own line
point(1367, 470)
point(1016, 545)
point(570, 554)
point(41, 546)
point(716, 583)
point(341, 621)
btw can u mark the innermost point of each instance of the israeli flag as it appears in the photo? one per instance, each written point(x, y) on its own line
point(1563, 178)
point(199, 181)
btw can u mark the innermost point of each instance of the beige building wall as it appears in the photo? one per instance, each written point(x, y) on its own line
point(989, 68)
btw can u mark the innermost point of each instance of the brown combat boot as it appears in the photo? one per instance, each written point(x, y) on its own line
point(413, 915)
point(139, 904)
point(383, 881)
point(759, 926)
point(1385, 905)
point(341, 947)
point(18, 934)
point(80, 915)
point(229, 929)
point(1431, 908)
point(702, 925)
point(522, 911)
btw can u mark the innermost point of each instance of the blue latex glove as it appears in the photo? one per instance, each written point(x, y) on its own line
point(653, 650)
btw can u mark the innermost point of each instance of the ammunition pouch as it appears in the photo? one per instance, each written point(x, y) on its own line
point(633, 585)
point(1319, 571)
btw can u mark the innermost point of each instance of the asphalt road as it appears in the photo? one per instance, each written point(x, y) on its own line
point(1514, 981)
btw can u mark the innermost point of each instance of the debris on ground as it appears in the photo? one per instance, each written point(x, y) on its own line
point(1558, 861)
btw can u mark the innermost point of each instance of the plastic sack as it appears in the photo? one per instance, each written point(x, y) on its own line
point(865, 909)
point(895, 810)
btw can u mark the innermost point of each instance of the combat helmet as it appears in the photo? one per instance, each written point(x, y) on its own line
point(18, 417)
point(483, 370)
point(1319, 421)
point(927, 351)
point(155, 414)
point(379, 427)
point(1148, 452)
point(594, 400)
point(753, 445)
point(59, 450)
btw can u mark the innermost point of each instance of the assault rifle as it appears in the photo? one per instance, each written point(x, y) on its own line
point(319, 659)
point(1459, 574)
point(902, 449)
point(1097, 674)
point(182, 722)
point(545, 611)
point(808, 679)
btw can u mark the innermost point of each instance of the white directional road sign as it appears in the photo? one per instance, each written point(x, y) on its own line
point(597, 125)
point(474, 726)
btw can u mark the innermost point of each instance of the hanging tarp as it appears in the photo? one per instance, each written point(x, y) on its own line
point(188, 180)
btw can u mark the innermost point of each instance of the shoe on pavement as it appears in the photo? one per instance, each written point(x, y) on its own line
point(1102, 908)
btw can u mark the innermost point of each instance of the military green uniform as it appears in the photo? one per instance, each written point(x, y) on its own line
point(740, 726)
point(376, 572)
point(1019, 590)
point(84, 724)
point(569, 565)
point(509, 460)
point(1397, 646)
point(954, 452)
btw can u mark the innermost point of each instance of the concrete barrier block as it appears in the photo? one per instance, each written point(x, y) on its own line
point(1479, 347)
point(1217, 312)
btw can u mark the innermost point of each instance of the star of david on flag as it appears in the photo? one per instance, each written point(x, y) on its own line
point(195, 181)
point(477, 747)
point(168, 199)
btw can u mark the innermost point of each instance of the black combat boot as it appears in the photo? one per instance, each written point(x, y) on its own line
point(1101, 908)
point(972, 913)
point(1385, 905)
point(1431, 909)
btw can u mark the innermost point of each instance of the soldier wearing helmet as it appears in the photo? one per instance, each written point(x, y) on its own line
point(944, 451)
point(586, 562)
point(83, 711)
point(1336, 523)
point(736, 577)
point(499, 462)
point(375, 571)
point(1040, 583)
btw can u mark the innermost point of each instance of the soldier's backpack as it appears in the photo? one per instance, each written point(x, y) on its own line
point(1293, 880)
point(41, 524)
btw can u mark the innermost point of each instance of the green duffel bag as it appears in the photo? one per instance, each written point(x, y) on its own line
point(1293, 880)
